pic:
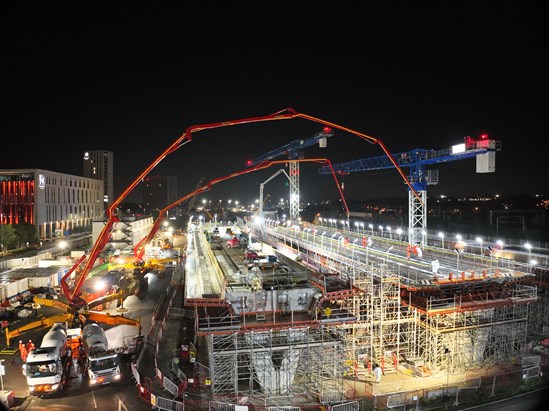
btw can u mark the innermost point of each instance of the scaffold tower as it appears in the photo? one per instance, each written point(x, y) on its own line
point(276, 362)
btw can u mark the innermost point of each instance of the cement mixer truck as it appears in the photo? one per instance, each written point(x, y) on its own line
point(46, 367)
point(102, 364)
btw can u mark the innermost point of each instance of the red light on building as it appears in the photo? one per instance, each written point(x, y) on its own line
point(484, 136)
point(249, 162)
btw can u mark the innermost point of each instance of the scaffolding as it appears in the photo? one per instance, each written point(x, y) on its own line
point(276, 362)
point(363, 314)
point(385, 329)
point(473, 338)
point(539, 311)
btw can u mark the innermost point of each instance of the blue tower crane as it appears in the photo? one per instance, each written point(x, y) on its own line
point(292, 151)
point(484, 149)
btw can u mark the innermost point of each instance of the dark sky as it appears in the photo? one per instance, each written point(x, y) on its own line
point(131, 77)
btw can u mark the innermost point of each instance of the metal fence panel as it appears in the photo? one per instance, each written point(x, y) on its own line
point(279, 401)
point(531, 372)
point(163, 403)
point(396, 400)
point(530, 361)
point(221, 406)
point(332, 396)
point(348, 406)
point(170, 386)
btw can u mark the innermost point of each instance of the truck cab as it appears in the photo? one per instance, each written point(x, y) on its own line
point(102, 363)
point(47, 366)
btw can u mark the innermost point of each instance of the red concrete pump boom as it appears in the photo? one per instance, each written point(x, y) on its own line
point(286, 114)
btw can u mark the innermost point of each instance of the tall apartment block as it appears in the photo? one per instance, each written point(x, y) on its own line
point(159, 191)
point(99, 165)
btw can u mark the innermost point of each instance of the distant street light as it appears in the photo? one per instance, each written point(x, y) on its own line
point(458, 252)
point(479, 240)
point(389, 249)
point(399, 232)
point(529, 248)
point(332, 241)
point(371, 227)
point(441, 235)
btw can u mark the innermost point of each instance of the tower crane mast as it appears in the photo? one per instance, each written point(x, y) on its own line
point(417, 160)
point(292, 150)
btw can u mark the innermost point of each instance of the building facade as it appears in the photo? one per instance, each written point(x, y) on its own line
point(55, 203)
point(99, 165)
point(159, 192)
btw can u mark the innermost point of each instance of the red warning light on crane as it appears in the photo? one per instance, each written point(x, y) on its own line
point(249, 162)
point(327, 130)
point(484, 136)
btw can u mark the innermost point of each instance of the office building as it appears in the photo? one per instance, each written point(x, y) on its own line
point(55, 203)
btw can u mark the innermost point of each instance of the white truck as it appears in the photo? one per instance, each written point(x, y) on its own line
point(47, 366)
point(102, 364)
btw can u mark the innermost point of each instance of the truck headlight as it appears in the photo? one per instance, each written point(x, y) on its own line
point(54, 387)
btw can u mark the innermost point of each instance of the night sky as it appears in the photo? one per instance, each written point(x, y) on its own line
point(131, 77)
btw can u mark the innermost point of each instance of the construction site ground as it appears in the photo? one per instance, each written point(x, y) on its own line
point(172, 329)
